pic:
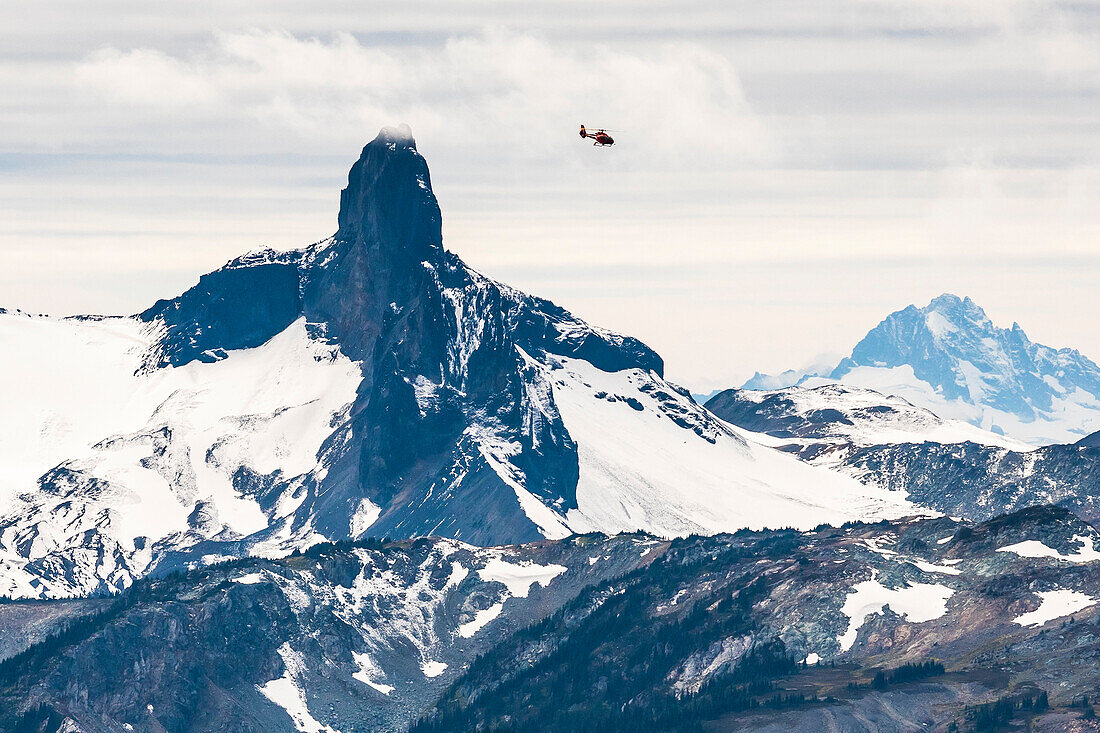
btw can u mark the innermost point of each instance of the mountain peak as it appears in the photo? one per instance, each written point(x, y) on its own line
point(402, 134)
point(947, 301)
point(950, 357)
point(388, 201)
point(958, 310)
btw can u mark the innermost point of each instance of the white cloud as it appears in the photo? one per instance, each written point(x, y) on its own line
point(512, 93)
point(787, 172)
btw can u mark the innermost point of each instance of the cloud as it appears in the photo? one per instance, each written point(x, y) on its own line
point(787, 172)
point(517, 93)
point(1059, 39)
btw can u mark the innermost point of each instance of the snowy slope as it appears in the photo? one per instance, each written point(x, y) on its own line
point(950, 358)
point(650, 458)
point(100, 465)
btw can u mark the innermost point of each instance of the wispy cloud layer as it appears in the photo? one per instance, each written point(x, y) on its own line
point(509, 92)
point(790, 168)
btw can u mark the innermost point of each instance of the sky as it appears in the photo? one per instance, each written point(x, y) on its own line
point(785, 174)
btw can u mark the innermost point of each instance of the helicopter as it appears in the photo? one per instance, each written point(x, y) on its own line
point(600, 136)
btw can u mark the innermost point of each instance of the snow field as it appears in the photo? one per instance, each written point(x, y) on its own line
point(153, 444)
point(641, 470)
point(918, 603)
point(288, 692)
point(1035, 548)
point(1054, 604)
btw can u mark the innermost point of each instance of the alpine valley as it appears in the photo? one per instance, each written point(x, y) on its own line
point(359, 486)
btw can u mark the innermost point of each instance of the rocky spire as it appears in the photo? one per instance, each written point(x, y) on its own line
point(388, 204)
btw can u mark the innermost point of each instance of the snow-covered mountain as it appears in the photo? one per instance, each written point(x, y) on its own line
point(368, 385)
point(949, 358)
point(824, 424)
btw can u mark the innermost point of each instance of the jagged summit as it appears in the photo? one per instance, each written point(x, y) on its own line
point(952, 345)
point(949, 302)
point(920, 337)
point(388, 202)
point(950, 358)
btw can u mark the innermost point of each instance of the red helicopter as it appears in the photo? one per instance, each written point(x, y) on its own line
point(600, 136)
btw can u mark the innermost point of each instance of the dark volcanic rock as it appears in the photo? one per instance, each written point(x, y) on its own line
point(231, 308)
point(1090, 441)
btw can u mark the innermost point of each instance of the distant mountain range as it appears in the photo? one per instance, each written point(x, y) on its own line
point(841, 416)
point(884, 441)
point(948, 357)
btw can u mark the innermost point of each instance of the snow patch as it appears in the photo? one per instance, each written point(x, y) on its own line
point(432, 668)
point(1055, 604)
point(874, 544)
point(481, 618)
point(932, 568)
point(1035, 548)
point(519, 578)
point(366, 514)
point(288, 692)
point(938, 325)
point(459, 572)
point(368, 671)
point(918, 603)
